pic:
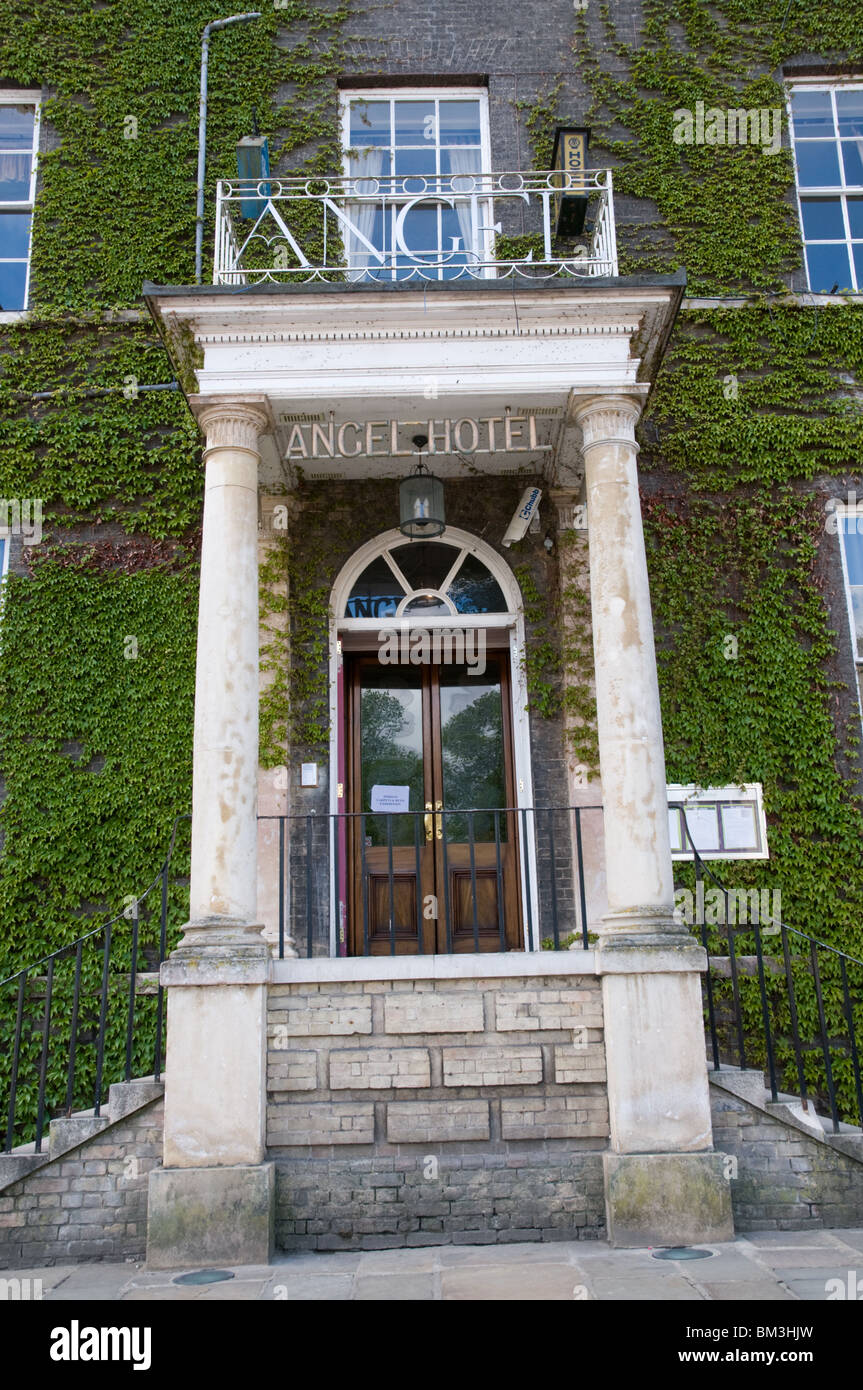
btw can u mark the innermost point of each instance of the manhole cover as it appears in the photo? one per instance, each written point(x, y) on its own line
point(204, 1276)
point(682, 1252)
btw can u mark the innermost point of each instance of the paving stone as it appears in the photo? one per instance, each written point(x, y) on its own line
point(722, 1268)
point(816, 1258)
point(51, 1276)
point(746, 1293)
point(323, 1263)
point(234, 1291)
point(792, 1240)
point(155, 1295)
point(394, 1287)
point(852, 1238)
point(312, 1288)
point(458, 1256)
point(668, 1288)
point(520, 1283)
point(421, 1260)
point(807, 1286)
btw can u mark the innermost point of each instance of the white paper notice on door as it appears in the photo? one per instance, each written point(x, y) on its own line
point(390, 798)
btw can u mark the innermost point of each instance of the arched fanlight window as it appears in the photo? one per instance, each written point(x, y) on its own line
point(425, 579)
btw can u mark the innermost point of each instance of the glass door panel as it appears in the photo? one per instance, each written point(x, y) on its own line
point(391, 750)
point(472, 748)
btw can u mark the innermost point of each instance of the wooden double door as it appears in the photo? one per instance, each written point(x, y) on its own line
point(432, 841)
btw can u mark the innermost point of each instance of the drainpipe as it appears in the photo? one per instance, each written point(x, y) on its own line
point(202, 127)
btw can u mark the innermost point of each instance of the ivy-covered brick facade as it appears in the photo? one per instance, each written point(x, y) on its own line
point(753, 424)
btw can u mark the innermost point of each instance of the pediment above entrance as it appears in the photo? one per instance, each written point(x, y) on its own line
point(487, 371)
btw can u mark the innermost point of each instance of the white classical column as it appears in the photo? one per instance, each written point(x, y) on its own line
point(212, 1200)
point(664, 1185)
point(629, 723)
point(224, 794)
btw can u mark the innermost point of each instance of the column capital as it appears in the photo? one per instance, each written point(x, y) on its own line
point(608, 420)
point(233, 422)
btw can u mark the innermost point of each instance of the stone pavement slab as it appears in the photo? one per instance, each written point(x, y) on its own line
point(308, 1288)
point(747, 1293)
point(421, 1259)
point(791, 1240)
point(395, 1287)
point(668, 1288)
point(526, 1282)
point(850, 1240)
point(556, 1252)
point(759, 1267)
point(807, 1284)
point(728, 1266)
point(814, 1258)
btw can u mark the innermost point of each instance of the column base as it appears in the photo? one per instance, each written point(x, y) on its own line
point(210, 1216)
point(643, 927)
point(667, 1199)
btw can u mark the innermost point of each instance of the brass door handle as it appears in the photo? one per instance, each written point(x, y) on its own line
point(439, 820)
point(428, 821)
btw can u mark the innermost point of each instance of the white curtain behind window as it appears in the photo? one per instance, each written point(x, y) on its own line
point(368, 164)
point(464, 161)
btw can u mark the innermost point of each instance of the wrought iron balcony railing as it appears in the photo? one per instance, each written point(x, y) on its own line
point(441, 227)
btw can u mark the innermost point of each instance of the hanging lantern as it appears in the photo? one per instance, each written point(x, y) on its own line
point(421, 512)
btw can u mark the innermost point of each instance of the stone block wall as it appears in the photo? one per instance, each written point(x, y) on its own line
point(88, 1204)
point(418, 1112)
point(785, 1180)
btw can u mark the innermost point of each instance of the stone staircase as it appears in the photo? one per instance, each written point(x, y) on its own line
point(793, 1172)
point(84, 1197)
point(70, 1132)
point(749, 1085)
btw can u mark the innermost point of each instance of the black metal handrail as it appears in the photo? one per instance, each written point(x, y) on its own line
point(308, 844)
point(91, 980)
point(804, 999)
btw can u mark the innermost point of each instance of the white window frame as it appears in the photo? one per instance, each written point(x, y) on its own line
point(23, 97)
point(746, 794)
point(842, 191)
point(843, 511)
point(349, 94)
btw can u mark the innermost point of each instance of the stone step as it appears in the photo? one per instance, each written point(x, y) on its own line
point(850, 1143)
point(68, 1131)
point(71, 1130)
point(126, 1096)
point(19, 1163)
point(748, 1085)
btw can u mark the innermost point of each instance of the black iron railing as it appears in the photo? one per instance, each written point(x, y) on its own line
point(779, 999)
point(89, 1014)
point(534, 856)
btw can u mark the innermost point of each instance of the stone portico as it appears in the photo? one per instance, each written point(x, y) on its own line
point(494, 1057)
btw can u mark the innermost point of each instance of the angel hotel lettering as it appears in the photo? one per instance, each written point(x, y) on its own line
point(487, 434)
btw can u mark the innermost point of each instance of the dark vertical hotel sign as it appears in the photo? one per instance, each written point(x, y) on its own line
point(570, 200)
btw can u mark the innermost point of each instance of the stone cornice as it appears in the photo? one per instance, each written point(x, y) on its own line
point(587, 329)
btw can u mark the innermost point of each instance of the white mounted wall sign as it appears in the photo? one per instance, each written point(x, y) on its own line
point(489, 434)
point(724, 822)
